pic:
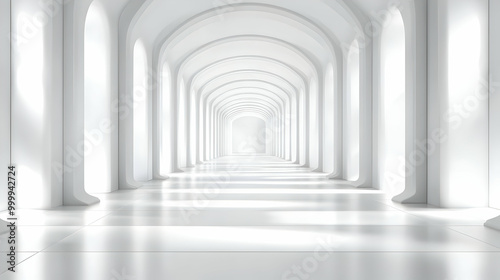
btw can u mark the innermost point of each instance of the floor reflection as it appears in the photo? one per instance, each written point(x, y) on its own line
point(287, 223)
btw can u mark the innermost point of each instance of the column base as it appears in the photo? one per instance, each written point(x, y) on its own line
point(493, 223)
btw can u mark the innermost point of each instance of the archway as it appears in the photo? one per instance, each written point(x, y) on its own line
point(98, 98)
point(391, 106)
point(329, 122)
point(352, 115)
point(249, 136)
point(141, 115)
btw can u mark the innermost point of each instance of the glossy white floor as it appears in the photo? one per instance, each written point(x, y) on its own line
point(261, 219)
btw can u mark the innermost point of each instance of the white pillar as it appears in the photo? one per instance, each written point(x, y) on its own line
point(458, 105)
point(37, 103)
point(101, 95)
point(75, 144)
point(313, 123)
point(4, 104)
point(494, 89)
point(365, 117)
point(415, 18)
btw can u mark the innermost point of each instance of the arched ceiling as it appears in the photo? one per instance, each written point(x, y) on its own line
point(238, 57)
point(163, 16)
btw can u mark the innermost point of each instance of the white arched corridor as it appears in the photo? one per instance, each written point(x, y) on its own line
point(235, 139)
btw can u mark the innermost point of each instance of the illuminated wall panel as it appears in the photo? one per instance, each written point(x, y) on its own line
point(458, 105)
point(4, 98)
point(391, 106)
point(100, 172)
point(37, 108)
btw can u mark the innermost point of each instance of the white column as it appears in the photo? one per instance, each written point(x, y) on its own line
point(494, 110)
point(174, 122)
point(313, 123)
point(458, 105)
point(125, 105)
point(4, 104)
point(338, 100)
point(365, 117)
point(302, 128)
point(157, 122)
point(351, 114)
point(101, 96)
point(142, 136)
point(415, 18)
point(320, 120)
point(37, 103)
point(4, 98)
point(75, 144)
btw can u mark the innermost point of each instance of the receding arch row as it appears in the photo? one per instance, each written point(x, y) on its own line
point(283, 103)
point(318, 87)
point(257, 106)
point(219, 52)
point(253, 58)
point(187, 28)
point(273, 106)
point(206, 56)
point(414, 54)
point(239, 109)
point(251, 76)
point(201, 108)
point(262, 140)
point(141, 7)
point(250, 63)
point(289, 112)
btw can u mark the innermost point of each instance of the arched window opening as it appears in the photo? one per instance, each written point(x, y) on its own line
point(392, 128)
point(141, 126)
point(329, 123)
point(165, 122)
point(352, 115)
point(246, 133)
point(313, 125)
point(182, 123)
point(100, 136)
point(193, 129)
point(302, 128)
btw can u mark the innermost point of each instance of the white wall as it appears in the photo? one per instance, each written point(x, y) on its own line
point(458, 107)
point(494, 104)
point(494, 87)
point(37, 116)
point(246, 135)
point(436, 50)
point(4, 99)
